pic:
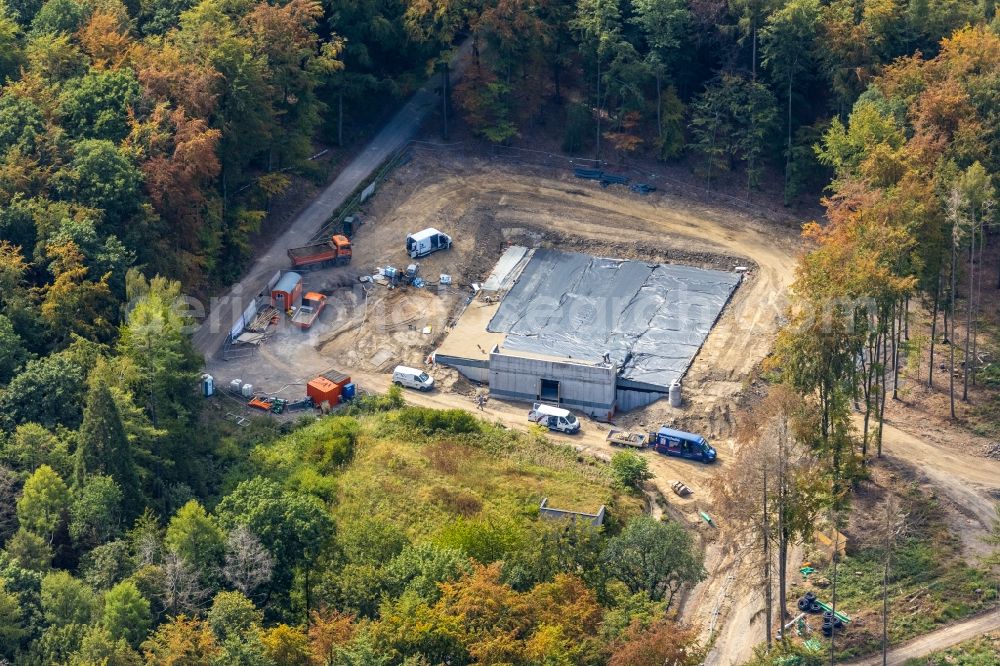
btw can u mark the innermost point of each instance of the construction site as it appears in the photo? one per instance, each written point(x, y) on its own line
point(533, 278)
point(553, 289)
point(557, 290)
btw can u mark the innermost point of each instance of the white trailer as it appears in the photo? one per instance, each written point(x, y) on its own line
point(422, 243)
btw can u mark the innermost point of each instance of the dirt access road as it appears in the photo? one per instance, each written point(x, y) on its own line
point(401, 128)
point(970, 483)
point(935, 641)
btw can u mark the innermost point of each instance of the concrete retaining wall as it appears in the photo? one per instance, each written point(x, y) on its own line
point(629, 399)
point(476, 370)
point(589, 389)
point(595, 519)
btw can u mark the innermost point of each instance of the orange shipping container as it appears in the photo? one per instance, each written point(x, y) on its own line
point(323, 389)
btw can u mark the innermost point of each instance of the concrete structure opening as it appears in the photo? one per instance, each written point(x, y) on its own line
point(548, 390)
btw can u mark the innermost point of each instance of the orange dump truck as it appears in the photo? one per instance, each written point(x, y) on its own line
point(334, 252)
point(312, 304)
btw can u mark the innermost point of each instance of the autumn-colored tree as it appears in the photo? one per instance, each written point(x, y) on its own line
point(624, 139)
point(181, 641)
point(663, 642)
point(74, 303)
point(329, 631)
point(485, 105)
point(297, 61)
point(105, 36)
point(286, 645)
point(12, 270)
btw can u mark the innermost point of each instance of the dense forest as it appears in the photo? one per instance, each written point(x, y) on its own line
point(148, 138)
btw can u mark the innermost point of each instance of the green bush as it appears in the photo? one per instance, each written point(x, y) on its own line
point(787, 654)
point(630, 469)
point(323, 448)
point(431, 421)
point(375, 403)
point(330, 443)
point(487, 539)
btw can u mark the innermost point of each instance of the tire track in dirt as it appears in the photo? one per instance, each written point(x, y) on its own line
point(934, 641)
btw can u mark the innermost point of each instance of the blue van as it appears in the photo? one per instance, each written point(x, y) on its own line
point(684, 444)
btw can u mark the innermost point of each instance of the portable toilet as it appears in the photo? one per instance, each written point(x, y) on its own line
point(287, 292)
point(347, 393)
point(207, 385)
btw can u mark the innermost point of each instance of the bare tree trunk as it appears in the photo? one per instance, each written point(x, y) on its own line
point(906, 318)
point(968, 313)
point(659, 105)
point(788, 146)
point(597, 151)
point(893, 527)
point(975, 314)
point(557, 69)
point(445, 84)
point(833, 587)
point(885, 601)
point(951, 378)
point(897, 324)
point(881, 395)
point(308, 599)
point(766, 534)
point(870, 381)
point(934, 318)
point(783, 535)
point(340, 117)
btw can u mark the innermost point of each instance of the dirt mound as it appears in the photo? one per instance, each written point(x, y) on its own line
point(395, 326)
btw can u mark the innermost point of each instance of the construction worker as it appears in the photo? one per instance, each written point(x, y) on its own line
point(480, 401)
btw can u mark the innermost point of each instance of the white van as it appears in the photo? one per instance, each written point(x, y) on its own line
point(554, 418)
point(425, 242)
point(412, 378)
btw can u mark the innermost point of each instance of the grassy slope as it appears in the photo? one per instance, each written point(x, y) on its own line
point(422, 483)
point(422, 477)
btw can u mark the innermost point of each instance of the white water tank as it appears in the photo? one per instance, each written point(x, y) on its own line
point(236, 385)
point(247, 390)
point(675, 395)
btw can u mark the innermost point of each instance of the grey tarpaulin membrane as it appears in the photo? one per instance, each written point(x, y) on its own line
point(651, 319)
